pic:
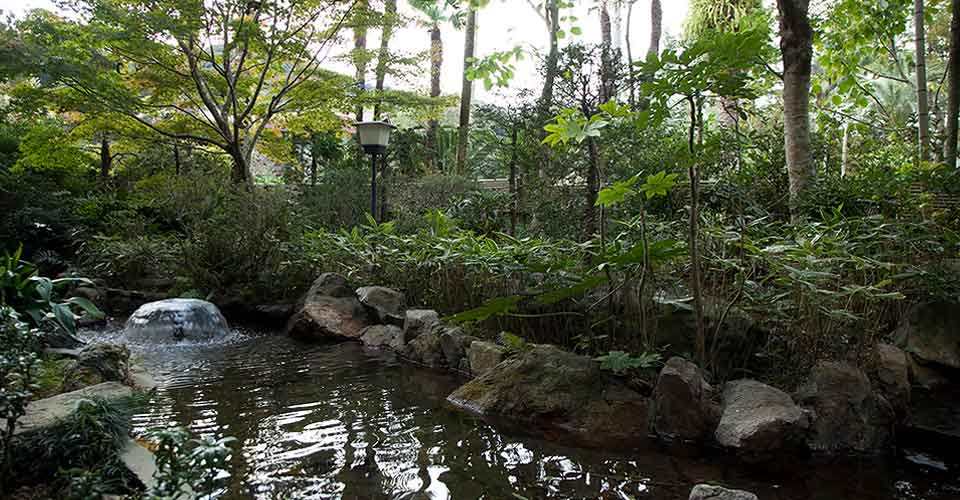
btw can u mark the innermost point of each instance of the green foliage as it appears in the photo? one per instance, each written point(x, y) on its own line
point(187, 467)
point(18, 360)
point(620, 362)
point(494, 69)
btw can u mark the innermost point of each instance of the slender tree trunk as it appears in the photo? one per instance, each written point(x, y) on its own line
point(656, 27)
point(359, 54)
point(606, 70)
point(514, 206)
point(383, 57)
point(176, 158)
point(953, 90)
point(923, 108)
point(593, 187)
point(436, 64)
point(631, 75)
point(796, 46)
point(552, 10)
point(696, 284)
point(313, 159)
point(106, 160)
point(845, 151)
point(241, 166)
point(466, 94)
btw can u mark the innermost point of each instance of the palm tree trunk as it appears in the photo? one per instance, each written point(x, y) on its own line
point(923, 108)
point(796, 46)
point(466, 94)
point(656, 27)
point(383, 58)
point(436, 64)
point(953, 90)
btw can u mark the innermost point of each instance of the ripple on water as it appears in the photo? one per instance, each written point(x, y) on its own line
point(338, 421)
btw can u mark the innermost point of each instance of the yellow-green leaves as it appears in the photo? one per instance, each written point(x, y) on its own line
point(571, 126)
point(655, 185)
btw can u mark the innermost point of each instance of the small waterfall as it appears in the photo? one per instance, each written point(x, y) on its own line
point(176, 320)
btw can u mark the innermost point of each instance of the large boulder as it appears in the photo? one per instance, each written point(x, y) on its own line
point(931, 332)
point(98, 363)
point(892, 373)
point(482, 356)
point(682, 406)
point(45, 413)
point(383, 336)
point(710, 492)
point(175, 320)
point(418, 321)
point(551, 389)
point(329, 310)
point(758, 420)
point(385, 304)
point(848, 415)
point(426, 349)
point(454, 344)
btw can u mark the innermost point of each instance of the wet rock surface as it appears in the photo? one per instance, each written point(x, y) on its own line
point(848, 415)
point(383, 336)
point(482, 356)
point(98, 363)
point(418, 321)
point(547, 387)
point(892, 373)
point(329, 310)
point(931, 332)
point(758, 420)
point(385, 304)
point(682, 406)
point(710, 492)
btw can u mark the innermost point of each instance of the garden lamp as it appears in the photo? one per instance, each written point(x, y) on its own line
point(374, 137)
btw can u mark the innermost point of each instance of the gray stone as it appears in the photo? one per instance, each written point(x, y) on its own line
point(848, 415)
point(892, 373)
point(140, 461)
point(710, 492)
point(329, 310)
point(682, 407)
point(327, 285)
point(418, 321)
point(141, 379)
point(483, 356)
point(47, 412)
point(97, 363)
point(758, 420)
point(63, 353)
point(454, 344)
point(546, 387)
point(385, 303)
point(425, 349)
point(931, 332)
point(383, 336)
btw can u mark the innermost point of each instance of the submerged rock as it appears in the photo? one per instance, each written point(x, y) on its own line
point(383, 336)
point(892, 372)
point(329, 310)
point(848, 415)
point(483, 356)
point(931, 332)
point(386, 304)
point(98, 363)
point(710, 492)
point(551, 388)
point(682, 406)
point(175, 320)
point(418, 321)
point(758, 420)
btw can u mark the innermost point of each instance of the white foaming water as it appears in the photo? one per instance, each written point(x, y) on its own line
point(176, 321)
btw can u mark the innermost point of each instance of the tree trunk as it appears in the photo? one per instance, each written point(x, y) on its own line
point(845, 151)
point(313, 159)
point(240, 173)
point(656, 27)
point(550, 76)
point(923, 108)
point(433, 128)
point(106, 160)
point(176, 158)
point(383, 58)
point(632, 77)
point(696, 282)
point(514, 206)
point(360, 56)
point(953, 90)
point(606, 67)
point(796, 46)
point(593, 187)
point(466, 94)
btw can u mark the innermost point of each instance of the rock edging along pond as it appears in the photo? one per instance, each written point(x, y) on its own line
point(837, 411)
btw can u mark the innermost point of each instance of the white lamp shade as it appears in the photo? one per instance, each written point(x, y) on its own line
point(375, 134)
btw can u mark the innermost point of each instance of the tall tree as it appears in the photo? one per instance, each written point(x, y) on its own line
point(383, 57)
point(225, 70)
point(923, 108)
point(953, 90)
point(466, 93)
point(434, 10)
point(796, 47)
point(360, 56)
point(656, 27)
point(550, 15)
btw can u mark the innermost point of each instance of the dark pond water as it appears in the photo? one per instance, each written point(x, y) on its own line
point(339, 421)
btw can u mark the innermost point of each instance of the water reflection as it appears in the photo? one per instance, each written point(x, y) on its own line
point(336, 421)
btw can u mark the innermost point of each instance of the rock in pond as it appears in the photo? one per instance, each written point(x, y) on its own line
point(436, 348)
point(383, 336)
point(848, 415)
point(418, 321)
point(454, 344)
point(548, 388)
point(892, 373)
point(329, 310)
point(98, 363)
point(386, 304)
point(710, 492)
point(175, 320)
point(48, 412)
point(682, 406)
point(758, 420)
point(483, 356)
point(931, 332)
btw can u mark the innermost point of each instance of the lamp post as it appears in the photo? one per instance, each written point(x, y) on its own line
point(374, 137)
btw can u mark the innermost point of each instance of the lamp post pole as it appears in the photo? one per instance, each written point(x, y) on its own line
point(373, 185)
